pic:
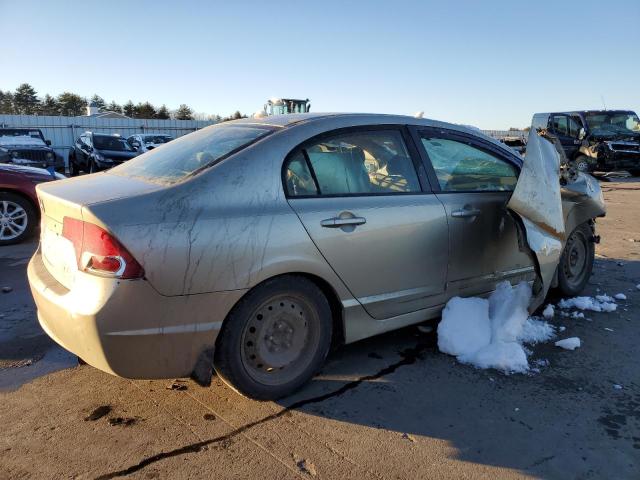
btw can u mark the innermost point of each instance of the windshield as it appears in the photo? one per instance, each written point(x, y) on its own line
point(20, 136)
point(191, 153)
point(109, 142)
point(613, 123)
point(157, 138)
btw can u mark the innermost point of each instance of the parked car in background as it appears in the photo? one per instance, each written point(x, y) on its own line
point(19, 212)
point(143, 142)
point(254, 245)
point(603, 140)
point(28, 147)
point(93, 152)
point(518, 144)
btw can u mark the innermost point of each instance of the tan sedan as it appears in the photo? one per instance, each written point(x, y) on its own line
point(252, 246)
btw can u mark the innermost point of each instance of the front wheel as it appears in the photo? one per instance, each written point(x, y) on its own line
point(275, 338)
point(582, 164)
point(576, 261)
point(17, 218)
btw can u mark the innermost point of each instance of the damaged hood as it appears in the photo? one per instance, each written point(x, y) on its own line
point(537, 201)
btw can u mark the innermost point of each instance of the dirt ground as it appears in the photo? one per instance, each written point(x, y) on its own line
point(391, 407)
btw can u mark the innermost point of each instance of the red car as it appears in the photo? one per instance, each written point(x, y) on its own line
point(19, 211)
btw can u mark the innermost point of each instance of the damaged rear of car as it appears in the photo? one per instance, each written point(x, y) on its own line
point(252, 246)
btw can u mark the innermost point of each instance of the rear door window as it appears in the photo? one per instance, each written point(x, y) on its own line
point(368, 162)
point(560, 125)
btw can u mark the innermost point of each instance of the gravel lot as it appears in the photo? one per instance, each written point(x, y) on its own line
point(389, 407)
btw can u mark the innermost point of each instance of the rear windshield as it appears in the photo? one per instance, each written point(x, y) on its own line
point(191, 153)
point(156, 138)
point(109, 142)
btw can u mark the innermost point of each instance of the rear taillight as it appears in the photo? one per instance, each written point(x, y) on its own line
point(98, 252)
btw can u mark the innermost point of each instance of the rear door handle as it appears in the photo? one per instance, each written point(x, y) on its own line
point(337, 222)
point(466, 212)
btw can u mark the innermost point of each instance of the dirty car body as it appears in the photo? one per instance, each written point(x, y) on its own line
point(262, 239)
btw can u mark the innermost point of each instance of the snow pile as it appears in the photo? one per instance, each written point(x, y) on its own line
point(490, 333)
point(620, 296)
point(601, 303)
point(548, 312)
point(568, 343)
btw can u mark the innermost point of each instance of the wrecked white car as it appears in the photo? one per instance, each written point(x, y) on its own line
point(251, 246)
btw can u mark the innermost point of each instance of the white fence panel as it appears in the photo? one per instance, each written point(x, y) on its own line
point(63, 131)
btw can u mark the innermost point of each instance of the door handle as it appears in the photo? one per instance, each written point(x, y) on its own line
point(337, 222)
point(466, 213)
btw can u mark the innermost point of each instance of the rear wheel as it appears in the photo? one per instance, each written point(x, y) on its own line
point(576, 261)
point(275, 338)
point(17, 218)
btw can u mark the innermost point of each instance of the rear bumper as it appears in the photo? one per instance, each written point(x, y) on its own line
point(126, 328)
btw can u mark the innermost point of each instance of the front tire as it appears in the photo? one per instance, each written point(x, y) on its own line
point(576, 262)
point(582, 164)
point(275, 339)
point(17, 218)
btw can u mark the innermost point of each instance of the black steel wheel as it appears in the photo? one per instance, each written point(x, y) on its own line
point(576, 261)
point(275, 339)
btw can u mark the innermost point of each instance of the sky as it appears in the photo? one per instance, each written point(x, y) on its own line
point(490, 64)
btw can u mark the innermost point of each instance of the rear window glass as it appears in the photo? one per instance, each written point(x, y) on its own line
point(191, 153)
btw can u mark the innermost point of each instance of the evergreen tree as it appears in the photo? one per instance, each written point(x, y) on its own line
point(71, 104)
point(6, 103)
point(25, 100)
point(114, 107)
point(145, 110)
point(184, 113)
point(99, 102)
point(163, 113)
point(49, 106)
point(129, 109)
point(237, 115)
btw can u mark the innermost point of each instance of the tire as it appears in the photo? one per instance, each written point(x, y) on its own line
point(73, 167)
point(275, 339)
point(92, 166)
point(582, 164)
point(18, 218)
point(576, 261)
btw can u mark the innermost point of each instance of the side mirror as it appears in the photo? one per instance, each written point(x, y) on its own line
point(136, 145)
point(48, 142)
point(582, 133)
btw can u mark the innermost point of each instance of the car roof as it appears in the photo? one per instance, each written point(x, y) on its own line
point(362, 119)
point(576, 112)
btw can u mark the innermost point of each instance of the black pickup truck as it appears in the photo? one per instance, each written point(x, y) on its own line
point(602, 140)
point(28, 147)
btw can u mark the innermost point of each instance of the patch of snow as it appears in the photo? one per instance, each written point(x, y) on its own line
point(548, 312)
point(620, 296)
point(490, 333)
point(638, 286)
point(536, 331)
point(602, 303)
point(577, 315)
point(617, 387)
point(8, 140)
point(568, 343)
point(608, 329)
point(604, 298)
point(562, 328)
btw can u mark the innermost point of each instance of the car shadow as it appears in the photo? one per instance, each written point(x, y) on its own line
point(551, 423)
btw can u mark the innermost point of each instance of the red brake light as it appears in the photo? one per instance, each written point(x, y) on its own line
point(98, 252)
